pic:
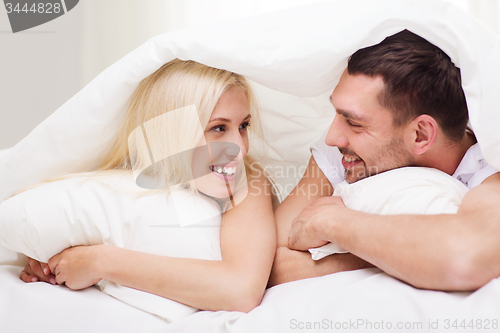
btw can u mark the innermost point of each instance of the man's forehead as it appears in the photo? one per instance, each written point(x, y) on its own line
point(351, 114)
point(358, 97)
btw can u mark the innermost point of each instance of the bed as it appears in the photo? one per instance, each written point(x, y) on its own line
point(294, 59)
point(358, 301)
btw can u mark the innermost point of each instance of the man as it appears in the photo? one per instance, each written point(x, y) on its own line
point(399, 103)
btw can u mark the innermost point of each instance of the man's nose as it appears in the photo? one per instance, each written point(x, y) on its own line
point(336, 136)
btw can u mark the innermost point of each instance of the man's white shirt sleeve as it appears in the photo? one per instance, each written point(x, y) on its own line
point(329, 160)
point(473, 168)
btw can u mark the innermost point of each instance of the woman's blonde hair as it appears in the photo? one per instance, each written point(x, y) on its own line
point(146, 135)
point(176, 85)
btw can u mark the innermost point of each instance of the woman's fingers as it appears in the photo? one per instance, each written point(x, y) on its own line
point(36, 269)
point(27, 276)
point(45, 268)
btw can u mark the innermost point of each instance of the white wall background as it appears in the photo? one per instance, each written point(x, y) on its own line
point(43, 67)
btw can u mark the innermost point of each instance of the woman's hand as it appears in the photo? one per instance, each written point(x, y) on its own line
point(76, 266)
point(35, 271)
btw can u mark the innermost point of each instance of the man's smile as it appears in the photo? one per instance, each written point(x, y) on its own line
point(350, 162)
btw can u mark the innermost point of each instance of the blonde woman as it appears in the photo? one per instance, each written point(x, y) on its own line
point(226, 108)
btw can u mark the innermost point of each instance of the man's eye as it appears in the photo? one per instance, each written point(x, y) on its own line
point(353, 124)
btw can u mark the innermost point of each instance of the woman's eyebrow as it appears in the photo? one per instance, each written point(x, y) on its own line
point(225, 120)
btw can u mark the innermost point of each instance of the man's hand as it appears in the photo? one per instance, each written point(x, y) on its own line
point(75, 266)
point(307, 230)
point(35, 271)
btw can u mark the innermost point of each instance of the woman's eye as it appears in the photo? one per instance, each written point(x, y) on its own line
point(218, 128)
point(244, 126)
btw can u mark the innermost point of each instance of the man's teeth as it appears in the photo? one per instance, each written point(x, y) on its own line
point(224, 170)
point(351, 159)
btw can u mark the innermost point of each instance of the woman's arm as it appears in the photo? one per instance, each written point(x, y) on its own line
point(238, 282)
point(290, 265)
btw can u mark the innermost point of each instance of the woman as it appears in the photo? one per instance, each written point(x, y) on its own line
point(226, 106)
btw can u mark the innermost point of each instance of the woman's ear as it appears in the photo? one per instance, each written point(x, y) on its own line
point(424, 131)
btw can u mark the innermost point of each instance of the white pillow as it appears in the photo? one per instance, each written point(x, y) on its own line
point(410, 190)
point(47, 219)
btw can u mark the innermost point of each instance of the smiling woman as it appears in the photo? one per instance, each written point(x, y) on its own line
point(228, 123)
point(212, 162)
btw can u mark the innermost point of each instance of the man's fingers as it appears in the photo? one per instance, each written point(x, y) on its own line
point(292, 241)
point(337, 200)
point(295, 227)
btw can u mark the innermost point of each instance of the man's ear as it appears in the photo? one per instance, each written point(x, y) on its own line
point(424, 131)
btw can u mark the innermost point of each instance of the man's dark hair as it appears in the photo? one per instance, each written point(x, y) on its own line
point(419, 79)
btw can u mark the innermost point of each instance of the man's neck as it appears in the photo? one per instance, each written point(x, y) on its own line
point(447, 157)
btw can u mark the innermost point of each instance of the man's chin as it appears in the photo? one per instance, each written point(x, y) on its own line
point(352, 175)
point(351, 179)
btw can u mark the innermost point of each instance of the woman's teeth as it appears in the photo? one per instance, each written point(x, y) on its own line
point(223, 170)
point(351, 159)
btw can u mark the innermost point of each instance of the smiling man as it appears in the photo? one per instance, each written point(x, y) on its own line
point(399, 103)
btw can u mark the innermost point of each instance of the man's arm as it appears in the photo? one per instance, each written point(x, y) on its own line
point(443, 252)
point(291, 265)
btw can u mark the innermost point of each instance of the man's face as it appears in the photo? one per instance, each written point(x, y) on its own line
point(363, 130)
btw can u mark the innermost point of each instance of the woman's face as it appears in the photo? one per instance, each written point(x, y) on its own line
point(227, 139)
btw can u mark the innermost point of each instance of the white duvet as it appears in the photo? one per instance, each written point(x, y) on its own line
point(295, 58)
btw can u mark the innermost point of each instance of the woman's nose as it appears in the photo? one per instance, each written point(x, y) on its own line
point(232, 150)
point(237, 148)
point(335, 136)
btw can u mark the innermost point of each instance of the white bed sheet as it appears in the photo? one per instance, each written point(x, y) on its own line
point(351, 299)
point(42, 307)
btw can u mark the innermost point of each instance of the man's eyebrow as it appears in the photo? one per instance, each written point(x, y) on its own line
point(352, 115)
point(349, 114)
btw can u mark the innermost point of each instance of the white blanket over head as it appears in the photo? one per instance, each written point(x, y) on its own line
point(411, 190)
point(300, 52)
